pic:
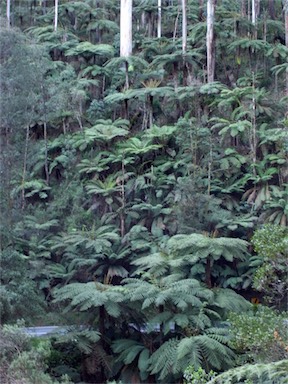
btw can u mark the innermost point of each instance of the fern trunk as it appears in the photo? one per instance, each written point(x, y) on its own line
point(208, 272)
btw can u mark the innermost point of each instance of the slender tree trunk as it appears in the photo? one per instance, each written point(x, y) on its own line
point(243, 8)
point(56, 16)
point(184, 26)
point(46, 167)
point(122, 217)
point(25, 167)
point(8, 13)
point(159, 32)
point(46, 152)
point(255, 9)
point(254, 131)
point(271, 9)
point(201, 10)
point(150, 97)
point(126, 75)
point(253, 12)
point(286, 39)
point(126, 28)
point(176, 25)
point(210, 40)
point(208, 273)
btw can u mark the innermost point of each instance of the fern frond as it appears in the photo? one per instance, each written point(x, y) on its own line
point(195, 349)
point(164, 359)
point(91, 295)
point(272, 373)
point(230, 300)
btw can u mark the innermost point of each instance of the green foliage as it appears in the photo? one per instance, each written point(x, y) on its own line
point(270, 243)
point(20, 297)
point(199, 376)
point(255, 373)
point(91, 295)
point(86, 48)
point(130, 187)
point(261, 335)
point(22, 359)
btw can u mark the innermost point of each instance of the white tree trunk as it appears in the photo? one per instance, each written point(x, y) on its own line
point(184, 26)
point(8, 13)
point(56, 16)
point(253, 12)
point(159, 32)
point(125, 28)
point(210, 40)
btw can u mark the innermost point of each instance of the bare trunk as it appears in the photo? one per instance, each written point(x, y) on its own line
point(150, 110)
point(208, 273)
point(286, 38)
point(56, 16)
point(255, 9)
point(25, 167)
point(122, 217)
point(254, 131)
point(210, 40)
point(271, 8)
point(126, 28)
point(184, 26)
point(159, 32)
point(243, 8)
point(8, 13)
point(126, 75)
point(46, 152)
point(176, 25)
point(201, 10)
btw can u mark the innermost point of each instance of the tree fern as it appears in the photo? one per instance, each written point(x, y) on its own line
point(203, 350)
point(272, 373)
point(90, 49)
point(162, 362)
point(84, 296)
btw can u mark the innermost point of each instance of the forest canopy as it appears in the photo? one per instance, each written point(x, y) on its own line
point(144, 199)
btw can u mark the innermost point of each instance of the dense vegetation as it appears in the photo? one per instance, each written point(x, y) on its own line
point(140, 200)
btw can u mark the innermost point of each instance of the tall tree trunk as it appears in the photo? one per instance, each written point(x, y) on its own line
point(56, 16)
point(176, 24)
point(243, 8)
point(46, 152)
point(184, 26)
point(286, 38)
point(8, 13)
point(210, 40)
point(126, 28)
point(159, 32)
point(271, 9)
point(201, 10)
point(255, 9)
point(25, 167)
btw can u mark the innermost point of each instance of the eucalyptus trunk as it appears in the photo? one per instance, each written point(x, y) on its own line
point(159, 31)
point(8, 13)
point(56, 16)
point(126, 28)
point(210, 40)
point(255, 8)
point(243, 8)
point(25, 167)
point(184, 26)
